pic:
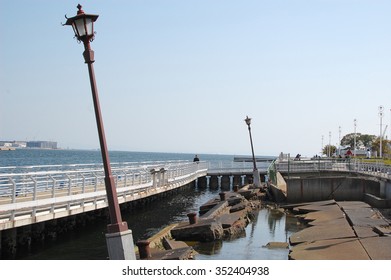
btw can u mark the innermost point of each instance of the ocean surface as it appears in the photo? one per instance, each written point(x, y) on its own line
point(27, 157)
point(88, 243)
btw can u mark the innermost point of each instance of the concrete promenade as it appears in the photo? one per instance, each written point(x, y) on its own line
point(343, 230)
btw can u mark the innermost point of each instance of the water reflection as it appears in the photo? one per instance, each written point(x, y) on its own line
point(269, 225)
point(274, 218)
point(208, 248)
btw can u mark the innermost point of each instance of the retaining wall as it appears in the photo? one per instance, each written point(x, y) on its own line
point(324, 188)
point(339, 186)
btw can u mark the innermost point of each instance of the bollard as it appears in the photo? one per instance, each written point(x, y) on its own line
point(143, 249)
point(192, 218)
point(222, 196)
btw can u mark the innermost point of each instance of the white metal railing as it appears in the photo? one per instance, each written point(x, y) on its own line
point(226, 167)
point(351, 165)
point(34, 190)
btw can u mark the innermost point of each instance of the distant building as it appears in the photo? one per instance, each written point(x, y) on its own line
point(41, 144)
point(13, 144)
point(19, 144)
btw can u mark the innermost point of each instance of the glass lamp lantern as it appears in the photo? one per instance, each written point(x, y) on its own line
point(83, 25)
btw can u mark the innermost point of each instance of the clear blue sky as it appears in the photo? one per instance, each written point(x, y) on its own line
point(181, 76)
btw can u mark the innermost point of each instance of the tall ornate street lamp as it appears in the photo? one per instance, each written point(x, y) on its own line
point(119, 238)
point(257, 179)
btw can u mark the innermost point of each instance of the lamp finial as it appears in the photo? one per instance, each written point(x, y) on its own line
point(80, 11)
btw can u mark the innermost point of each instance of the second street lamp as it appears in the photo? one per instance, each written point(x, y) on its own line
point(119, 238)
point(257, 179)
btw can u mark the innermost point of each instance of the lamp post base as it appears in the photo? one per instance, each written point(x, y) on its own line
point(257, 179)
point(120, 245)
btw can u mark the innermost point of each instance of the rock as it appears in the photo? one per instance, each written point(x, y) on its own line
point(233, 200)
point(246, 193)
point(238, 207)
point(277, 245)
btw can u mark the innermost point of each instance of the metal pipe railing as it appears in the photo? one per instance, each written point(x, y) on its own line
point(350, 165)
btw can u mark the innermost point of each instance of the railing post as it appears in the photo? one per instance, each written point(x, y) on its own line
point(69, 184)
point(83, 187)
point(96, 182)
point(153, 173)
point(133, 178)
point(13, 199)
point(13, 196)
point(34, 195)
point(53, 186)
point(69, 191)
point(161, 177)
point(126, 179)
point(53, 192)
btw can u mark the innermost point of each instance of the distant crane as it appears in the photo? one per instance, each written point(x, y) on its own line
point(381, 140)
point(384, 132)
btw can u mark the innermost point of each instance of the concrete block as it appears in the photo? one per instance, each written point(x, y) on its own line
point(120, 245)
point(204, 230)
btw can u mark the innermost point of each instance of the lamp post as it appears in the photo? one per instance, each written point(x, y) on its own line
point(257, 179)
point(355, 137)
point(381, 109)
point(339, 138)
point(119, 238)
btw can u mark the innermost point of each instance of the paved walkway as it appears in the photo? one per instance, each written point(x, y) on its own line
point(349, 230)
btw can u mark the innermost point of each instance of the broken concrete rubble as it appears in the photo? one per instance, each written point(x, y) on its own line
point(223, 217)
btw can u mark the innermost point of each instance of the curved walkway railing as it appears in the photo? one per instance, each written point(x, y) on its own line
point(350, 165)
point(39, 193)
point(232, 167)
point(33, 194)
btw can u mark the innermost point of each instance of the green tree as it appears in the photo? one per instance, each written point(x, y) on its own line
point(385, 146)
point(329, 149)
point(365, 140)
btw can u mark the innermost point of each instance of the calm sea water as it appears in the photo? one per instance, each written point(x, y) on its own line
point(26, 157)
point(89, 243)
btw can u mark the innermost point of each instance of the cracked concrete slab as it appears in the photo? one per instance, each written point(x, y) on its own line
point(346, 230)
point(334, 249)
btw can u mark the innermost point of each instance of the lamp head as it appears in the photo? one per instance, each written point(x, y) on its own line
point(83, 25)
point(248, 120)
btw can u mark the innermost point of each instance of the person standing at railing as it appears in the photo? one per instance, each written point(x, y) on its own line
point(196, 159)
point(297, 157)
